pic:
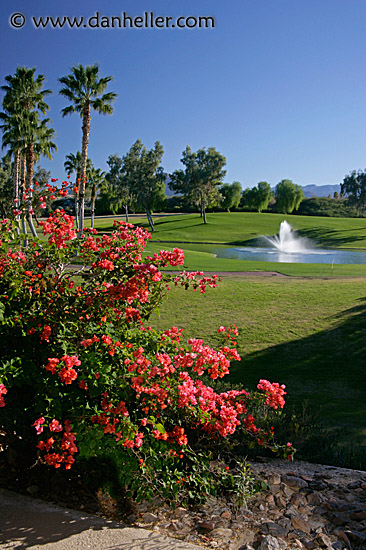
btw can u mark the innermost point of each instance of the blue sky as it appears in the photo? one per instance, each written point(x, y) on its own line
point(278, 86)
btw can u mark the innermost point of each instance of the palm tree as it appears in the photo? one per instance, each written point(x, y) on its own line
point(23, 100)
point(85, 90)
point(98, 181)
point(13, 140)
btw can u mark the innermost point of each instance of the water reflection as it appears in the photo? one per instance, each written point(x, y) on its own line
point(317, 256)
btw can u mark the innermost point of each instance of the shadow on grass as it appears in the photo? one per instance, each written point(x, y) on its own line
point(329, 237)
point(328, 369)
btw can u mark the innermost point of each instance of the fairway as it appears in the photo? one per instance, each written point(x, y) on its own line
point(188, 232)
point(307, 334)
point(244, 227)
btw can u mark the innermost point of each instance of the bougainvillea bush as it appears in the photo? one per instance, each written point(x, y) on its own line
point(82, 374)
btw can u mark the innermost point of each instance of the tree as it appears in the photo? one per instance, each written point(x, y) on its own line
point(248, 198)
point(288, 196)
point(263, 195)
point(354, 187)
point(203, 174)
point(13, 140)
point(96, 180)
point(231, 194)
point(6, 187)
point(72, 165)
point(118, 192)
point(22, 103)
point(85, 90)
point(143, 175)
point(258, 197)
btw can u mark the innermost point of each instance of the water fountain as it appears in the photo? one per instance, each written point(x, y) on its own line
point(288, 241)
point(289, 247)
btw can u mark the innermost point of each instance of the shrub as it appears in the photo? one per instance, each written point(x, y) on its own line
point(83, 375)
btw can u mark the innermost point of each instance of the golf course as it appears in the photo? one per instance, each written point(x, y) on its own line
point(305, 329)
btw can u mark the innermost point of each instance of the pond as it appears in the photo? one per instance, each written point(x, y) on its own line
point(289, 247)
point(272, 254)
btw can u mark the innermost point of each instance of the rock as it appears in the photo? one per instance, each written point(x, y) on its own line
point(323, 540)
point(338, 519)
point(180, 512)
point(299, 544)
point(290, 511)
point(274, 479)
point(222, 533)
point(356, 537)
point(274, 529)
point(280, 502)
point(354, 484)
point(148, 517)
point(294, 482)
point(318, 485)
point(165, 525)
point(320, 510)
point(246, 539)
point(207, 525)
point(298, 500)
point(191, 538)
point(299, 523)
point(341, 534)
point(309, 544)
point(356, 516)
point(269, 543)
point(314, 499)
point(286, 491)
point(142, 506)
point(316, 524)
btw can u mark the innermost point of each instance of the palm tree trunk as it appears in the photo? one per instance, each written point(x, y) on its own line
point(92, 207)
point(84, 158)
point(16, 185)
point(21, 199)
point(77, 185)
point(29, 182)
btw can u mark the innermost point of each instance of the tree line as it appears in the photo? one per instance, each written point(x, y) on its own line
point(136, 180)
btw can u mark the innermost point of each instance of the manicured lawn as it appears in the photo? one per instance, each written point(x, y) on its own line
point(188, 232)
point(197, 259)
point(308, 334)
point(243, 227)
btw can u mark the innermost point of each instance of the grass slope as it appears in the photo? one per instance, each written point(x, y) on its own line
point(243, 227)
point(190, 233)
point(307, 334)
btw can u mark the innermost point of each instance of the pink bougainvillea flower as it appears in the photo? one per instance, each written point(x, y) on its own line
point(38, 425)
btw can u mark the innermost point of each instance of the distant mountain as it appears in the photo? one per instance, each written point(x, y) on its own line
point(310, 190)
point(320, 190)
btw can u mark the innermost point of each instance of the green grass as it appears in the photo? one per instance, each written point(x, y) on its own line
point(308, 334)
point(196, 260)
point(190, 233)
point(243, 227)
